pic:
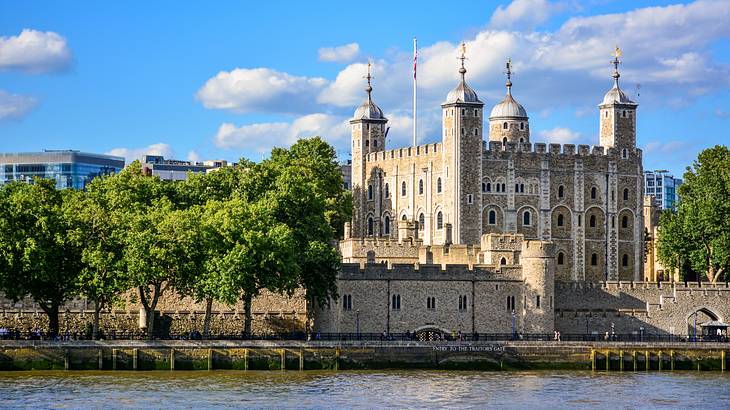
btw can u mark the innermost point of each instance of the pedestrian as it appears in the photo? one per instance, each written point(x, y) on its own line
point(558, 334)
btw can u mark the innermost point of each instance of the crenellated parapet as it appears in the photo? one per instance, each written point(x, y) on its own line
point(428, 272)
point(498, 150)
point(425, 150)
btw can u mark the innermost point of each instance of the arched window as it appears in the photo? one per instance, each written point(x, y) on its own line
point(386, 225)
point(489, 187)
point(624, 153)
point(375, 143)
point(387, 191)
point(561, 191)
point(625, 222)
point(370, 192)
point(503, 188)
point(438, 185)
point(503, 261)
point(492, 217)
point(517, 188)
point(561, 220)
point(404, 218)
point(526, 218)
point(403, 188)
point(421, 221)
point(522, 126)
point(370, 226)
point(504, 127)
point(420, 187)
point(497, 186)
point(625, 260)
point(592, 221)
point(593, 192)
point(626, 194)
point(484, 187)
point(561, 258)
point(463, 111)
point(522, 188)
point(476, 132)
point(594, 260)
point(439, 220)
point(367, 143)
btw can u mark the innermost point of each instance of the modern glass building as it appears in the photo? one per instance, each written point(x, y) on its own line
point(70, 169)
point(662, 186)
point(176, 170)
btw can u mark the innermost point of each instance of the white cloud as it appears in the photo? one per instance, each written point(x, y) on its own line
point(34, 52)
point(14, 106)
point(521, 13)
point(193, 156)
point(560, 135)
point(262, 137)
point(340, 54)
point(245, 90)
point(131, 154)
point(664, 147)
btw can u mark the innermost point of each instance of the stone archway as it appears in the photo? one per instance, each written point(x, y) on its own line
point(698, 316)
point(430, 334)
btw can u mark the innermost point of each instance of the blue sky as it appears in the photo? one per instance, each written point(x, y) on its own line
point(232, 79)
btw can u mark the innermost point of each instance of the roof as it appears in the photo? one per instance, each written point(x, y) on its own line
point(462, 93)
point(714, 323)
point(368, 111)
point(508, 108)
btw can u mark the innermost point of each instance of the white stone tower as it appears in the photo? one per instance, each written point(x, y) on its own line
point(618, 116)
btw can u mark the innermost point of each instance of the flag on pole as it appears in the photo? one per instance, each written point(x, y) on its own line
point(415, 57)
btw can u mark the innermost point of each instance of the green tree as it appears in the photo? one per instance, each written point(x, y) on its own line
point(255, 252)
point(699, 229)
point(38, 258)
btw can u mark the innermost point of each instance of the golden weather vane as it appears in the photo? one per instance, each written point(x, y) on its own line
point(617, 52)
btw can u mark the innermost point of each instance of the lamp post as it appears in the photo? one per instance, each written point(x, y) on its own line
point(514, 330)
point(357, 324)
point(641, 333)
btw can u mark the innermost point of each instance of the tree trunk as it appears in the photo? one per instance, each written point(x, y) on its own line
point(97, 314)
point(149, 306)
point(208, 313)
point(247, 315)
point(53, 321)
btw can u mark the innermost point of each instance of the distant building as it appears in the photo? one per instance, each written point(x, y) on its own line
point(69, 168)
point(654, 269)
point(176, 170)
point(662, 186)
point(346, 169)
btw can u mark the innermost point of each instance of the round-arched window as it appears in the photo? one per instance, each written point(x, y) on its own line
point(439, 220)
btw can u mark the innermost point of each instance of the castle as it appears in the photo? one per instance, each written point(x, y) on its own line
point(479, 235)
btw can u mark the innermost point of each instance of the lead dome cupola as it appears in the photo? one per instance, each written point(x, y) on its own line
point(368, 110)
point(509, 107)
point(462, 93)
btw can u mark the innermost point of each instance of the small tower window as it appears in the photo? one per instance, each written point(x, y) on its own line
point(503, 261)
point(625, 260)
point(625, 222)
point(526, 218)
point(463, 111)
point(623, 113)
point(561, 220)
point(561, 258)
point(375, 143)
point(522, 188)
point(420, 187)
point(522, 139)
point(497, 187)
point(438, 185)
point(387, 191)
point(367, 143)
point(522, 125)
point(386, 225)
point(370, 192)
point(403, 189)
point(370, 226)
point(476, 132)
point(439, 220)
point(396, 302)
point(476, 113)
point(492, 217)
point(594, 260)
point(626, 194)
point(606, 112)
point(422, 221)
point(489, 187)
point(561, 192)
point(484, 187)
point(469, 199)
point(537, 300)
point(625, 153)
point(593, 193)
point(505, 126)
point(503, 188)
point(592, 221)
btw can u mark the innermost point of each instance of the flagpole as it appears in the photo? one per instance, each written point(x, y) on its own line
point(415, 61)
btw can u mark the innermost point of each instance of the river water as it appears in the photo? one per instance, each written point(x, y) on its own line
point(372, 389)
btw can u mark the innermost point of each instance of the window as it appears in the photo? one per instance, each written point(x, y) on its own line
point(623, 113)
point(370, 192)
point(510, 303)
point(522, 140)
point(592, 222)
point(625, 260)
point(347, 302)
point(403, 189)
point(593, 192)
point(420, 187)
point(624, 153)
point(469, 199)
point(504, 127)
point(613, 222)
point(594, 260)
point(387, 191)
point(421, 221)
point(503, 188)
point(375, 143)
point(439, 220)
point(561, 220)
point(484, 187)
point(386, 225)
point(476, 113)
point(606, 113)
point(613, 195)
point(430, 303)
point(561, 191)
point(462, 131)
point(517, 188)
point(462, 302)
point(503, 261)
point(504, 142)
point(370, 225)
point(538, 301)
point(522, 125)
point(580, 220)
point(395, 302)
point(476, 132)
point(526, 218)
point(625, 222)
point(522, 188)
point(438, 185)
point(498, 186)
point(626, 194)
point(367, 143)
point(463, 111)
point(492, 217)
point(561, 258)
point(404, 218)
point(489, 187)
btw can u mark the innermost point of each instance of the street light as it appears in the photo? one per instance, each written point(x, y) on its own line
point(514, 330)
point(357, 323)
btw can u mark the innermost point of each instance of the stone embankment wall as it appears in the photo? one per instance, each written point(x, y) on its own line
point(272, 313)
point(666, 308)
point(261, 355)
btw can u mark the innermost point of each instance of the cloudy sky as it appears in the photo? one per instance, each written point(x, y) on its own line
point(232, 79)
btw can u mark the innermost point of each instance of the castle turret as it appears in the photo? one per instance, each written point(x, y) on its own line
point(618, 116)
point(368, 135)
point(462, 155)
point(538, 268)
point(508, 121)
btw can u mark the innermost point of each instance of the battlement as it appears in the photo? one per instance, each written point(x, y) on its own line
point(679, 286)
point(405, 152)
point(449, 272)
point(538, 249)
point(501, 242)
point(496, 148)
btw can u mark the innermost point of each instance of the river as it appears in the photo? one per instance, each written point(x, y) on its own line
point(371, 389)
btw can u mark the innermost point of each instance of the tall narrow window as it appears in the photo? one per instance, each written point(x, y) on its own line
point(387, 191)
point(395, 302)
point(625, 260)
point(592, 221)
point(370, 192)
point(504, 127)
point(561, 192)
point(594, 260)
point(403, 188)
point(420, 187)
point(526, 218)
point(439, 220)
point(386, 225)
point(489, 187)
point(492, 217)
point(538, 301)
point(438, 185)
point(626, 194)
point(370, 226)
point(421, 221)
point(561, 220)
point(593, 193)
point(484, 187)
point(561, 258)
point(625, 222)
point(503, 261)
